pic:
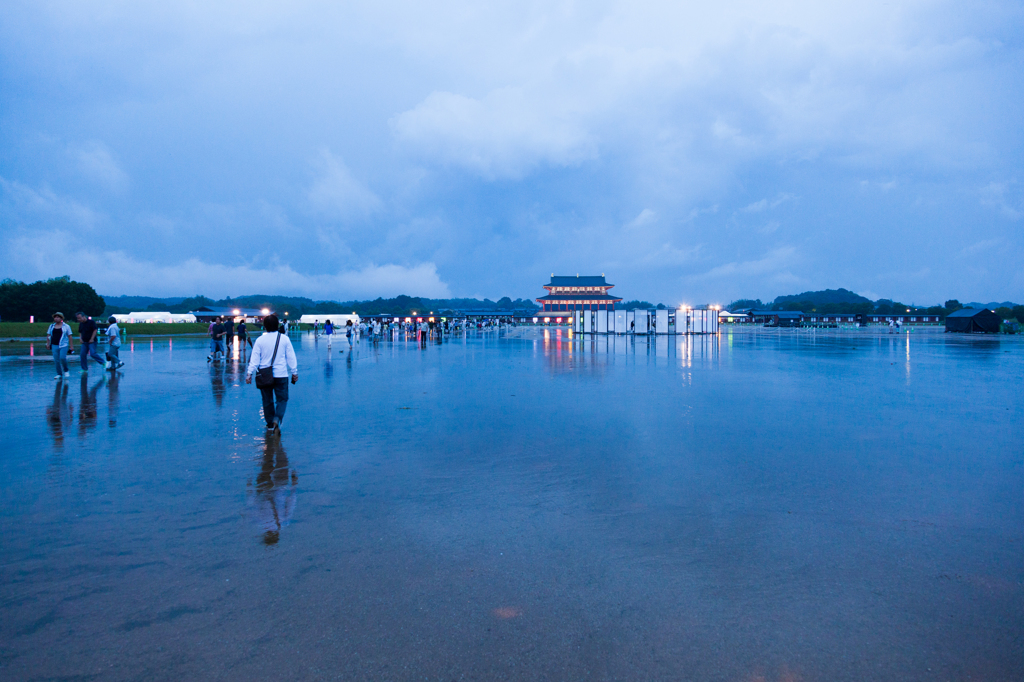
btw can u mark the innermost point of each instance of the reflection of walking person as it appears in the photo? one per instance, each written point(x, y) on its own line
point(273, 500)
point(87, 410)
point(113, 402)
point(59, 415)
point(273, 349)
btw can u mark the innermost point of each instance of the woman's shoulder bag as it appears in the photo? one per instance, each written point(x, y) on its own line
point(265, 375)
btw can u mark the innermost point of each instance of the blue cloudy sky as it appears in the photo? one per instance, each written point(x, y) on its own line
point(692, 151)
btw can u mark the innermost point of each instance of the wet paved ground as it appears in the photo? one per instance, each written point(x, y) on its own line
point(751, 507)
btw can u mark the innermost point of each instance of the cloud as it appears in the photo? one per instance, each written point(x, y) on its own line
point(337, 194)
point(772, 265)
point(97, 164)
point(26, 204)
point(504, 134)
point(919, 274)
point(765, 204)
point(503, 140)
point(116, 272)
point(645, 217)
point(980, 247)
point(997, 195)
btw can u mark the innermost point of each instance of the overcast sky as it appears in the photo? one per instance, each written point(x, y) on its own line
point(691, 151)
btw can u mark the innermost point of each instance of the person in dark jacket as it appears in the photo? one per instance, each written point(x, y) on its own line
point(88, 332)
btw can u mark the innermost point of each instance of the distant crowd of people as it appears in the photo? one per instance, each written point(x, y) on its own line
point(60, 343)
point(272, 349)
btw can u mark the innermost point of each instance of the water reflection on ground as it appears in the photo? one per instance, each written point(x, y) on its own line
point(528, 505)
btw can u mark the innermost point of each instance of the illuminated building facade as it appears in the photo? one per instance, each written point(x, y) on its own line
point(566, 294)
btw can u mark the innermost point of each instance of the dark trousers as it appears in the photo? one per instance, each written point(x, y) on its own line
point(279, 390)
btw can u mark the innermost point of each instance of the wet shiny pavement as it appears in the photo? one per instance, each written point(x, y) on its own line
point(747, 507)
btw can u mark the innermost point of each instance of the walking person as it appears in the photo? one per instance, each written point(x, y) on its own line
point(348, 333)
point(328, 332)
point(88, 332)
point(216, 341)
point(58, 342)
point(242, 333)
point(113, 345)
point(229, 333)
point(273, 350)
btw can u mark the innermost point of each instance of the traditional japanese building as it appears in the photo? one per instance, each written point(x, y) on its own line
point(566, 294)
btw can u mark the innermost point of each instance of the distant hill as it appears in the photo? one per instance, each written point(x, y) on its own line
point(991, 306)
point(295, 305)
point(139, 302)
point(828, 296)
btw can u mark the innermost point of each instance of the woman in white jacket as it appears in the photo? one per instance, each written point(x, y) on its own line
point(58, 342)
point(283, 363)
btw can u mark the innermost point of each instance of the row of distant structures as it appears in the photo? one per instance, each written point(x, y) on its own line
point(584, 302)
point(204, 314)
point(964, 320)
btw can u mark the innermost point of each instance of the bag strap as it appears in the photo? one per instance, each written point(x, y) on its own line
point(274, 356)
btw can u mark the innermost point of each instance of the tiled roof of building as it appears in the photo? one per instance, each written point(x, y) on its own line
point(584, 281)
point(582, 296)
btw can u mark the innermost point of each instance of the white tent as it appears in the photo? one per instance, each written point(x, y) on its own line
point(155, 317)
point(337, 319)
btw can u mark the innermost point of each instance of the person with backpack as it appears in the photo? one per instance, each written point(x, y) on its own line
point(273, 361)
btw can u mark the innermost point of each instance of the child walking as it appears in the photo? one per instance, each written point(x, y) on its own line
point(113, 345)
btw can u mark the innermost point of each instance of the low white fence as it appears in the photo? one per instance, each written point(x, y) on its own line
point(653, 321)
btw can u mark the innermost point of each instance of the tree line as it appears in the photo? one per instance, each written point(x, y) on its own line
point(20, 301)
point(296, 306)
point(842, 301)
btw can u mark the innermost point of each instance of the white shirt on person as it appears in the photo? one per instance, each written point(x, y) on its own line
point(263, 351)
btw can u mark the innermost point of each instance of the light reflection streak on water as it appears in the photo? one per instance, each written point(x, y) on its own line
point(908, 359)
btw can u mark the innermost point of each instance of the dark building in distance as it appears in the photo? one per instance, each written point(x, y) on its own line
point(566, 294)
point(972, 320)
